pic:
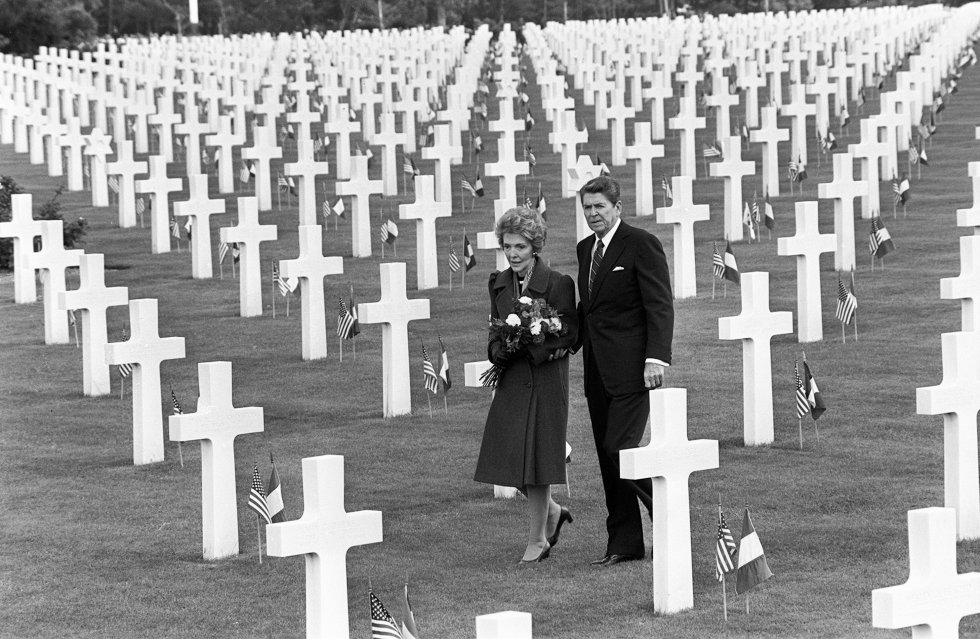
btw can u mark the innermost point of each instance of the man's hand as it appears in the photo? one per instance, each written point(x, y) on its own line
point(653, 375)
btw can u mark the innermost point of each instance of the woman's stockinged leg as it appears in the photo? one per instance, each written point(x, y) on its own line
point(539, 504)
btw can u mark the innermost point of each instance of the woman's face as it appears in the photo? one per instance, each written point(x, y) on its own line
point(519, 252)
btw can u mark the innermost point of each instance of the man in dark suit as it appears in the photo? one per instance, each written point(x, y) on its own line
point(626, 324)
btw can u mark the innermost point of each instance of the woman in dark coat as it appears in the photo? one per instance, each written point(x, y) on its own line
point(524, 439)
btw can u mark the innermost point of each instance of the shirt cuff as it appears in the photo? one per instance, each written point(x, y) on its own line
point(654, 360)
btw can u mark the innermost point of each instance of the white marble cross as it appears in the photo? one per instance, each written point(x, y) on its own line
point(957, 399)
point(395, 311)
point(755, 326)
point(97, 149)
point(127, 169)
point(425, 210)
point(935, 598)
point(751, 80)
point(506, 124)
point(732, 169)
point(721, 100)
point(687, 123)
point(669, 459)
point(504, 625)
point(507, 169)
point(359, 188)
point(869, 151)
point(53, 260)
point(225, 139)
point(145, 350)
point(807, 245)
point(324, 534)
point(248, 235)
point(164, 119)
point(843, 189)
point(444, 151)
point(971, 216)
point(643, 150)
point(159, 187)
point(264, 149)
point(798, 110)
point(966, 286)
point(583, 171)
point(74, 141)
point(341, 126)
point(22, 228)
point(192, 128)
point(389, 139)
point(770, 135)
point(92, 298)
point(217, 423)
point(306, 168)
point(682, 214)
point(658, 93)
point(199, 207)
point(567, 136)
point(617, 114)
point(310, 268)
point(822, 88)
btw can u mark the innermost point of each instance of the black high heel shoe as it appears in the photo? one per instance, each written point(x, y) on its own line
point(541, 557)
point(562, 518)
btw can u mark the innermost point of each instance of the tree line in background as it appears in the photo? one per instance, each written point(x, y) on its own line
point(28, 24)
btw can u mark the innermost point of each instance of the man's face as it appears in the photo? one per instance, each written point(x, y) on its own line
point(600, 213)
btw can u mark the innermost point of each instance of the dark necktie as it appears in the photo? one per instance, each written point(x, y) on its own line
point(596, 261)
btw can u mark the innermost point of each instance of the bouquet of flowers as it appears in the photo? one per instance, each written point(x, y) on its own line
point(529, 323)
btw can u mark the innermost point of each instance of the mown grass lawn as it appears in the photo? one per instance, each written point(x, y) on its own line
point(95, 547)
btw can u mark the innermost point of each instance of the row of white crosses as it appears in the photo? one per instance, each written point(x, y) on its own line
point(935, 597)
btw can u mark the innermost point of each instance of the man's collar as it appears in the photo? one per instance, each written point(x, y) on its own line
point(607, 238)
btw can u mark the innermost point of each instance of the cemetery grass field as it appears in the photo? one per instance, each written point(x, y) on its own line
point(95, 547)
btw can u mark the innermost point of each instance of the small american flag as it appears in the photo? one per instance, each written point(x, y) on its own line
point(174, 228)
point(468, 187)
point(382, 623)
point(345, 321)
point(256, 497)
point(802, 405)
point(125, 370)
point(453, 258)
point(140, 206)
point(846, 303)
point(114, 183)
point(665, 185)
point(282, 183)
point(175, 403)
point(717, 262)
point(879, 240)
point(724, 549)
point(429, 373)
point(245, 174)
point(222, 252)
point(389, 231)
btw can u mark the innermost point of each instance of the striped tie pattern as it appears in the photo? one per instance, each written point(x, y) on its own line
point(596, 261)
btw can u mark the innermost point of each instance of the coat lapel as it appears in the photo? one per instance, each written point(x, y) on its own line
point(609, 258)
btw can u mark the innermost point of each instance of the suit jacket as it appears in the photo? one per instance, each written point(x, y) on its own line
point(630, 315)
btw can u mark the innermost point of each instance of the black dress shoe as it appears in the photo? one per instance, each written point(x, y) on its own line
point(612, 560)
point(544, 554)
point(562, 518)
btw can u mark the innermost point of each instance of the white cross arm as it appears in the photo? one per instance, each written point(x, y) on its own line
point(934, 595)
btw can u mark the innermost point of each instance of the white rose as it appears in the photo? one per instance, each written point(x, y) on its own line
point(536, 328)
point(525, 300)
point(555, 324)
point(513, 320)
